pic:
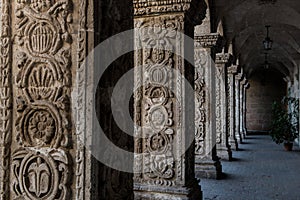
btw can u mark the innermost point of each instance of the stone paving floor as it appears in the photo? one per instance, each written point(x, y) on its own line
point(262, 170)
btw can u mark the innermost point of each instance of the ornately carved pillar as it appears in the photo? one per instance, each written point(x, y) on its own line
point(41, 160)
point(207, 164)
point(231, 71)
point(239, 135)
point(223, 146)
point(164, 133)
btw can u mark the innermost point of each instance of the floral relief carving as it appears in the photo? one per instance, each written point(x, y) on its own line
point(159, 159)
point(41, 127)
point(40, 174)
point(200, 116)
point(142, 7)
point(43, 89)
point(44, 61)
point(158, 38)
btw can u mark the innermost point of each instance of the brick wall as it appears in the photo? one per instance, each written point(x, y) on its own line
point(264, 89)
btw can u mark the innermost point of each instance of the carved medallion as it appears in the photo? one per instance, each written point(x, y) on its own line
point(39, 125)
point(40, 174)
point(42, 37)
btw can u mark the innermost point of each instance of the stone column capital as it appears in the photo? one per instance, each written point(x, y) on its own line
point(197, 9)
point(223, 58)
point(233, 69)
point(239, 77)
point(147, 7)
point(247, 85)
point(207, 41)
point(244, 81)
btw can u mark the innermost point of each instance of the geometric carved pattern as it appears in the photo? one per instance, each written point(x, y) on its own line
point(43, 92)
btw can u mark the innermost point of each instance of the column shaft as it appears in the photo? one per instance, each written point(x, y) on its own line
point(223, 146)
point(164, 103)
point(207, 164)
point(231, 71)
point(237, 108)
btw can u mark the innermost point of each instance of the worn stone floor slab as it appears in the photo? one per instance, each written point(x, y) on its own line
point(262, 170)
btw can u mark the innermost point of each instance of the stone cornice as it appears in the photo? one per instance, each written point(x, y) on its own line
point(233, 69)
point(207, 41)
point(148, 7)
point(223, 58)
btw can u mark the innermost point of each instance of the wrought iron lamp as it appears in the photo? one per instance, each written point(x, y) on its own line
point(268, 43)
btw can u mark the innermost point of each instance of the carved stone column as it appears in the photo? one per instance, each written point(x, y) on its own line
point(246, 86)
point(207, 164)
point(42, 156)
point(164, 110)
point(242, 107)
point(223, 146)
point(231, 72)
point(239, 135)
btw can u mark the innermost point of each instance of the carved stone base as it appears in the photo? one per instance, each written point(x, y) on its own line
point(234, 144)
point(224, 153)
point(240, 140)
point(191, 192)
point(244, 133)
point(208, 169)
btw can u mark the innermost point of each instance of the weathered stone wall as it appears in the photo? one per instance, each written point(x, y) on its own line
point(264, 90)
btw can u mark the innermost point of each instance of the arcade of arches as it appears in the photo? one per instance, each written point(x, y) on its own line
point(49, 89)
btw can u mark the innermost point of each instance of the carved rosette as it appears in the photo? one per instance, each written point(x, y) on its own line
point(43, 86)
point(155, 101)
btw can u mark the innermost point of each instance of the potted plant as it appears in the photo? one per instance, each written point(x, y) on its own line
point(285, 124)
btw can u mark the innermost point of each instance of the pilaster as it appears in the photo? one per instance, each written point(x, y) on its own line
point(239, 134)
point(230, 87)
point(207, 164)
point(43, 61)
point(243, 106)
point(246, 87)
point(164, 109)
point(223, 146)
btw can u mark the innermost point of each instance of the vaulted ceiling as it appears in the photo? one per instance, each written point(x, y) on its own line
point(244, 24)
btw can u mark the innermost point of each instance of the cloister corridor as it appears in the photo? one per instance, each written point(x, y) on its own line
point(149, 99)
point(262, 170)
